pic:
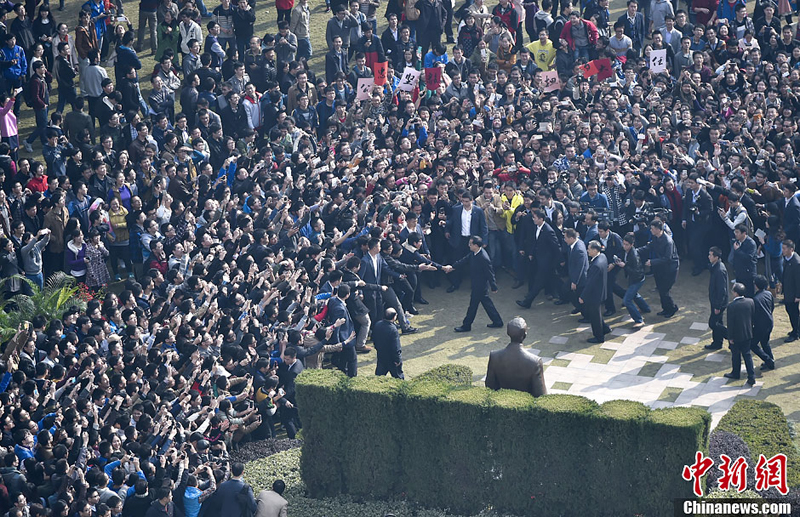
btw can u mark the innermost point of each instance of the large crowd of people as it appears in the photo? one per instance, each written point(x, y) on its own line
point(238, 215)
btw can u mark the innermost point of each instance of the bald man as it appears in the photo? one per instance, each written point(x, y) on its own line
point(514, 367)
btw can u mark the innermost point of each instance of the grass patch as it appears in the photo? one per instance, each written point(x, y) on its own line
point(562, 385)
point(560, 362)
point(602, 356)
point(649, 369)
point(670, 394)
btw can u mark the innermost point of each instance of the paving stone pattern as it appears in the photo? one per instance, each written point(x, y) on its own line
point(639, 371)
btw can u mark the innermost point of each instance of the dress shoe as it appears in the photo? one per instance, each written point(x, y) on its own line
point(595, 340)
point(790, 338)
point(410, 330)
point(421, 301)
point(452, 288)
point(517, 284)
point(661, 313)
point(462, 329)
point(561, 302)
point(751, 382)
point(364, 349)
point(413, 310)
point(768, 366)
point(607, 331)
point(731, 376)
point(712, 346)
point(495, 325)
point(608, 314)
point(670, 314)
point(583, 320)
point(523, 304)
point(575, 311)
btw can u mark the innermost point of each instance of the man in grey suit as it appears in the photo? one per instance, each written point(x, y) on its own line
point(514, 367)
point(465, 220)
point(271, 502)
point(740, 333)
point(577, 265)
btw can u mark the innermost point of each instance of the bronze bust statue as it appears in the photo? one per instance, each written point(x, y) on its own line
point(514, 367)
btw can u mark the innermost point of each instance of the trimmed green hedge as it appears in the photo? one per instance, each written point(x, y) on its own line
point(465, 448)
point(455, 374)
point(763, 427)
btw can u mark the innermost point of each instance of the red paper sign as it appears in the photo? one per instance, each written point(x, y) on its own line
point(601, 67)
point(433, 77)
point(380, 72)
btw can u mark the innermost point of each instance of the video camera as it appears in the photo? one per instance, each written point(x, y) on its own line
point(647, 216)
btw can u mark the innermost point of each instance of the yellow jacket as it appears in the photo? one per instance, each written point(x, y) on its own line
point(509, 214)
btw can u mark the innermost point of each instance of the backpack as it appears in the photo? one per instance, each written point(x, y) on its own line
point(411, 12)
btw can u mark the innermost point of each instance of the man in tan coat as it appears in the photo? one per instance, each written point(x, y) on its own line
point(271, 502)
point(55, 221)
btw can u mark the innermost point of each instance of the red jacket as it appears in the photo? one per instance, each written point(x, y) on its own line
point(37, 184)
point(591, 32)
point(284, 5)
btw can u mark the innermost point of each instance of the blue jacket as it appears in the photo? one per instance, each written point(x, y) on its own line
point(17, 71)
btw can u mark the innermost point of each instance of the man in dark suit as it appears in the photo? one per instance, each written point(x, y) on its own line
point(635, 26)
point(235, 492)
point(465, 220)
point(612, 247)
point(632, 265)
point(387, 344)
point(740, 334)
point(664, 262)
point(697, 209)
point(336, 61)
point(514, 367)
point(343, 334)
point(577, 266)
point(288, 371)
point(790, 209)
point(745, 259)
point(718, 296)
point(791, 287)
point(373, 266)
point(482, 274)
point(594, 293)
point(762, 323)
point(355, 303)
point(543, 253)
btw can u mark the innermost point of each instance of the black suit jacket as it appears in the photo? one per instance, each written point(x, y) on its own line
point(334, 64)
point(387, 342)
point(480, 270)
point(718, 286)
point(744, 259)
point(704, 203)
point(791, 217)
point(764, 305)
point(477, 224)
point(791, 278)
point(740, 322)
point(594, 293)
point(663, 254)
point(578, 264)
point(337, 309)
point(613, 247)
point(545, 249)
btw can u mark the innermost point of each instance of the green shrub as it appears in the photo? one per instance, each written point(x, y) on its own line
point(464, 448)
point(763, 427)
point(455, 374)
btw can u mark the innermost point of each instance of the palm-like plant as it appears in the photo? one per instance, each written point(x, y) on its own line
point(59, 294)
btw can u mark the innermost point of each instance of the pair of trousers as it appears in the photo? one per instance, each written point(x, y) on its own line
point(793, 311)
point(632, 300)
point(719, 331)
point(611, 286)
point(363, 330)
point(66, 95)
point(120, 252)
point(593, 313)
point(284, 14)
point(41, 127)
point(481, 298)
point(303, 48)
point(349, 361)
point(495, 248)
point(698, 245)
point(457, 253)
point(664, 281)
point(761, 344)
point(147, 18)
point(37, 279)
point(739, 352)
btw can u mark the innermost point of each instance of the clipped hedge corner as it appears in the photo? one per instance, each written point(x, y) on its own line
point(449, 445)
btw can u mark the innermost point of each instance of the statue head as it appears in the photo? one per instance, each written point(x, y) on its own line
point(517, 330)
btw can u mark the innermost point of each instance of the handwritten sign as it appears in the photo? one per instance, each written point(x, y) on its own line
point(364, 88)
point(433, 77)
point(380, 70)
point(658, 61)
point(409, 79)
point(550, 81)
